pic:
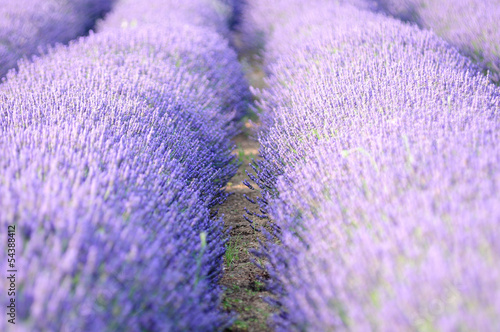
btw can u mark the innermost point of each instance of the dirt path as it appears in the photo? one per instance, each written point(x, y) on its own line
point(244, 292)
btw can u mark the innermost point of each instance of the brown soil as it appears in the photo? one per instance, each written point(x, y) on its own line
point(244, 293)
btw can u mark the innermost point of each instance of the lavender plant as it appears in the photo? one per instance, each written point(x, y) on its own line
point(470, 25)
point(212, 14)
point(208, 14)
point(28, 27)
point(380, 174)
point(113, 150)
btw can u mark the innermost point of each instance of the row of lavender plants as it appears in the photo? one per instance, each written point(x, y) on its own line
point(28, 27)
point(473, 26)
point(114, 150)
point(380, 174)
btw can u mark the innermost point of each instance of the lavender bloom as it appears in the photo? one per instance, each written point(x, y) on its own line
point(207, 13)
point(29, 26)
point(112, 151)
point(236, 7)
point(470, 25)
point(380, 174)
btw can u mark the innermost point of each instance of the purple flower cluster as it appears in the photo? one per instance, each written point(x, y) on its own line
point(30, 26)
point(473, 26)
point(380, 172)
point(113, 151)
point(207, 13)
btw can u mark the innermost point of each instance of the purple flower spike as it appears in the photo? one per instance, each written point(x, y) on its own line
point(380, 170)
point(28, 27)
point(113, 149)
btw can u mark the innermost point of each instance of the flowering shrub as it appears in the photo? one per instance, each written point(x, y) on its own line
point(470, 25)
point(207, 13)
point(219, 69)
point(380, 174)
point(113, 150)
point(28, 26)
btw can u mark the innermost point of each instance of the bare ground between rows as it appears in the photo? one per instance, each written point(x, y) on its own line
point(244, 292)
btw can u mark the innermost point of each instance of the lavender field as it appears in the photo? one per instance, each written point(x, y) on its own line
point(351, 145)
